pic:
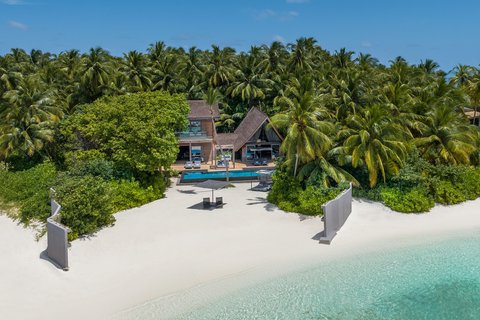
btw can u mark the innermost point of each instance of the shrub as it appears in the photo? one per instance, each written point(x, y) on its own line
point(285, 189)
point(86, 205)
point(28, 191)
point(312, 198)
point(407, 200)
point(128, 194)
point(446, 193)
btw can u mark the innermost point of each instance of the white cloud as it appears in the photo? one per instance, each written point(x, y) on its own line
point(298, 1)
point(279, 38)
point(264, 14)
point(366, 44)
point(17, 25)
point(293, 13)
point(13, 2)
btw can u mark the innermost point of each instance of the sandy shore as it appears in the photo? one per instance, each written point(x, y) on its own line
point(170, 246)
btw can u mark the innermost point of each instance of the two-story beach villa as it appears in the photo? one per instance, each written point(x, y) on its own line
point(253, 140)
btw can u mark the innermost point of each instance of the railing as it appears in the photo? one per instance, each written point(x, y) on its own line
point(187, 135)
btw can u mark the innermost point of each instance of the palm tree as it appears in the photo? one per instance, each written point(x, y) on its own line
point(445, 137)
point(192, 69)
point(95, 73)
point(134, 66)
point(307, 134)
point(249, 84)
point(26, 124)
point(375, 140)
point(219, 70)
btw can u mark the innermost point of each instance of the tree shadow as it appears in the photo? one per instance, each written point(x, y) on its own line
point(262, 201)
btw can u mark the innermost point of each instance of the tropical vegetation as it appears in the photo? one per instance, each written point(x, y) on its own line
point(345, 117)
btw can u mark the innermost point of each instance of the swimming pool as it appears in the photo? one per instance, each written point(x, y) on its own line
point(234, 175)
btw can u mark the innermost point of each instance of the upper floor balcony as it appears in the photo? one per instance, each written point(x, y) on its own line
point(193, 136)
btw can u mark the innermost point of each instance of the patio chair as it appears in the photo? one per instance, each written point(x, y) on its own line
point(188, 165)
point(206, 203)
point(219, 202)
point(264, 162)
point(197, 165)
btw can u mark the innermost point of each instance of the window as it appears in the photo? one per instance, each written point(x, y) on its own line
point(195, 126)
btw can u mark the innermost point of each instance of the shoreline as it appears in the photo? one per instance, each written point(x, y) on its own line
point(168, 247)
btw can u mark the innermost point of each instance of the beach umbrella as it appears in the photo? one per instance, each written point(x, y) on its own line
point(213, 184)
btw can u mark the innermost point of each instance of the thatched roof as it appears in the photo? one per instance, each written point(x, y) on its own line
point(199, 109)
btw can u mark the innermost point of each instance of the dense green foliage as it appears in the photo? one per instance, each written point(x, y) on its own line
point(110, 156)
point(420, 184)
point(293, 196)
point(28, 191)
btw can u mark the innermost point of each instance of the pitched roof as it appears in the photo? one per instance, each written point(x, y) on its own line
point(199, 109)
point(249, 125)
point(224, 139)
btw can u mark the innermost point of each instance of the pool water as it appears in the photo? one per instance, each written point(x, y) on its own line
point(438, 280)
point(219, 175)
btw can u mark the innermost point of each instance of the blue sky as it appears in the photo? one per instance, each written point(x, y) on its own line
point(446, 31)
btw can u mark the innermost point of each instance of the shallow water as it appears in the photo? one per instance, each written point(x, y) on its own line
point(438, 280)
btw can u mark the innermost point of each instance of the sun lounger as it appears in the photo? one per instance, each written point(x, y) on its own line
point(197, 165)
point(188, 165)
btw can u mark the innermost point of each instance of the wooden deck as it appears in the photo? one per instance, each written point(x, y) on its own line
point(179, 166)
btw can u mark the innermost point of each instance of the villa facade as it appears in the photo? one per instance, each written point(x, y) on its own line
point(255, 138)
point(198, 140)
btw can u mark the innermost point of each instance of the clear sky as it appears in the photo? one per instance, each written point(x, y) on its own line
point(446, 31)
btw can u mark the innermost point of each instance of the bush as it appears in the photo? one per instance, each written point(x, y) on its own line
point(285, 189)
point(128, 194)
point(28, 191)
point(86, 205)
point(312, 198)
point(446, 193)
point(407, 200)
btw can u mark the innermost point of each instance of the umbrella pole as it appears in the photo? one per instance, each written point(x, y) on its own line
point(213, 197)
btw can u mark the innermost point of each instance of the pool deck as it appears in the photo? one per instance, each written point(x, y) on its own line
point(179, 166)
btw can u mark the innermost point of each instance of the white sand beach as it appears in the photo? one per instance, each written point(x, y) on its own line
point(167, 247)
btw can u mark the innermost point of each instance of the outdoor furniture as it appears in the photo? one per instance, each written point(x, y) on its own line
point(263, 186)
point(264, 162)
point(188, 165)
point(257, 163)
point(197, 165)
point(213, 185)
point(206, 203)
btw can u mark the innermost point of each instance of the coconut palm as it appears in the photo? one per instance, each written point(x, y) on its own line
point(219, 69)
point(374, 140)
point(446, 137)
point(26, 124)
point(95, 70)
point(137, 72)
point(306, 132)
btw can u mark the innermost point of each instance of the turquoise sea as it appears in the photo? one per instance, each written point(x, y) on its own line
point(435, 280)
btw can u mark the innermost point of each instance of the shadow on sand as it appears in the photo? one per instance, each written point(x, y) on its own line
point(44, 256)
point(262, 201)
point(199, 206)
point(190, 191)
